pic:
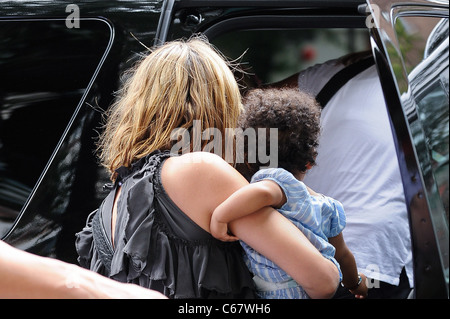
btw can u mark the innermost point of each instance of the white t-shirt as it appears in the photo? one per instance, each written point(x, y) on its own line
point(357, 165)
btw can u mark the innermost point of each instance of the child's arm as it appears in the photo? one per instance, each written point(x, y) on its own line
point(243, 202)
point(350, 277)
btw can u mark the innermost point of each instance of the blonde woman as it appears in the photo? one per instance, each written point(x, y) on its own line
point(153, 227)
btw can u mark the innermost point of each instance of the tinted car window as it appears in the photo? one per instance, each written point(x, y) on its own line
point(40, 88)
point(273, 55)
point(433, 106)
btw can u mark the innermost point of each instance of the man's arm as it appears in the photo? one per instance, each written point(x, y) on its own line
point(24, 275)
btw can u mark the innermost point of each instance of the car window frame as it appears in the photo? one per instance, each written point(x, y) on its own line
point(430, 253)
point(77, 109)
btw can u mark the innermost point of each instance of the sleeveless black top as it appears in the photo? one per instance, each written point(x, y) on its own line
point(156, 245)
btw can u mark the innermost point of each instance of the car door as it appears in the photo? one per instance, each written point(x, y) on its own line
point(60, 66)
point(410, 43)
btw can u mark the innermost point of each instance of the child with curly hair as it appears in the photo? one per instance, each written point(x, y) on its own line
point(296, 115)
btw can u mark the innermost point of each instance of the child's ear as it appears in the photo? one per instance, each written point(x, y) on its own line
point(309, 166)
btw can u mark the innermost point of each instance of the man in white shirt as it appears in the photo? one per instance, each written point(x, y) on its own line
point(357, 164)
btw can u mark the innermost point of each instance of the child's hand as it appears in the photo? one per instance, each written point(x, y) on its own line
point(220, 230)
point(361, 291)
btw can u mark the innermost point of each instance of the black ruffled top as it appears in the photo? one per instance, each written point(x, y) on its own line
point(156, 245)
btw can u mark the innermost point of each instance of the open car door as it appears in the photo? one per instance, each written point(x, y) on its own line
point(411, 48)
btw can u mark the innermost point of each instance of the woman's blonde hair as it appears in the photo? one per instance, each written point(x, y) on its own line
point(177, 83)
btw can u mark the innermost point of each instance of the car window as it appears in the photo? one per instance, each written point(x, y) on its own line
point(273, 55)
point(40, 88)
point(433, 108)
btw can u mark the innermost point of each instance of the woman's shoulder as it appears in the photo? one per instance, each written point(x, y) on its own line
point(201, 165)
point(198, 182)
point(203, 158)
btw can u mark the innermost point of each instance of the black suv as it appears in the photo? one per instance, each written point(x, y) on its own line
point(60, 65)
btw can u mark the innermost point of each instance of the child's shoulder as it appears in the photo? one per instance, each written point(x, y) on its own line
point(334, 216)
point(292, 187)
point(274, 173)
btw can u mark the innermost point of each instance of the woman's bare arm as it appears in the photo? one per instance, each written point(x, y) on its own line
point(275, 237)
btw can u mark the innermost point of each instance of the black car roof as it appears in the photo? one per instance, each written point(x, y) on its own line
point(27, 7)
point(269, 3)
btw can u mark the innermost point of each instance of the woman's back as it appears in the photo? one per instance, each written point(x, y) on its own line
point(157, 245)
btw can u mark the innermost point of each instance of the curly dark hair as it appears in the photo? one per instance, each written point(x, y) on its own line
point(295, 114)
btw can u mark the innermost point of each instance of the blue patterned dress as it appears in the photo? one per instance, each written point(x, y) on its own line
point(318, 217)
